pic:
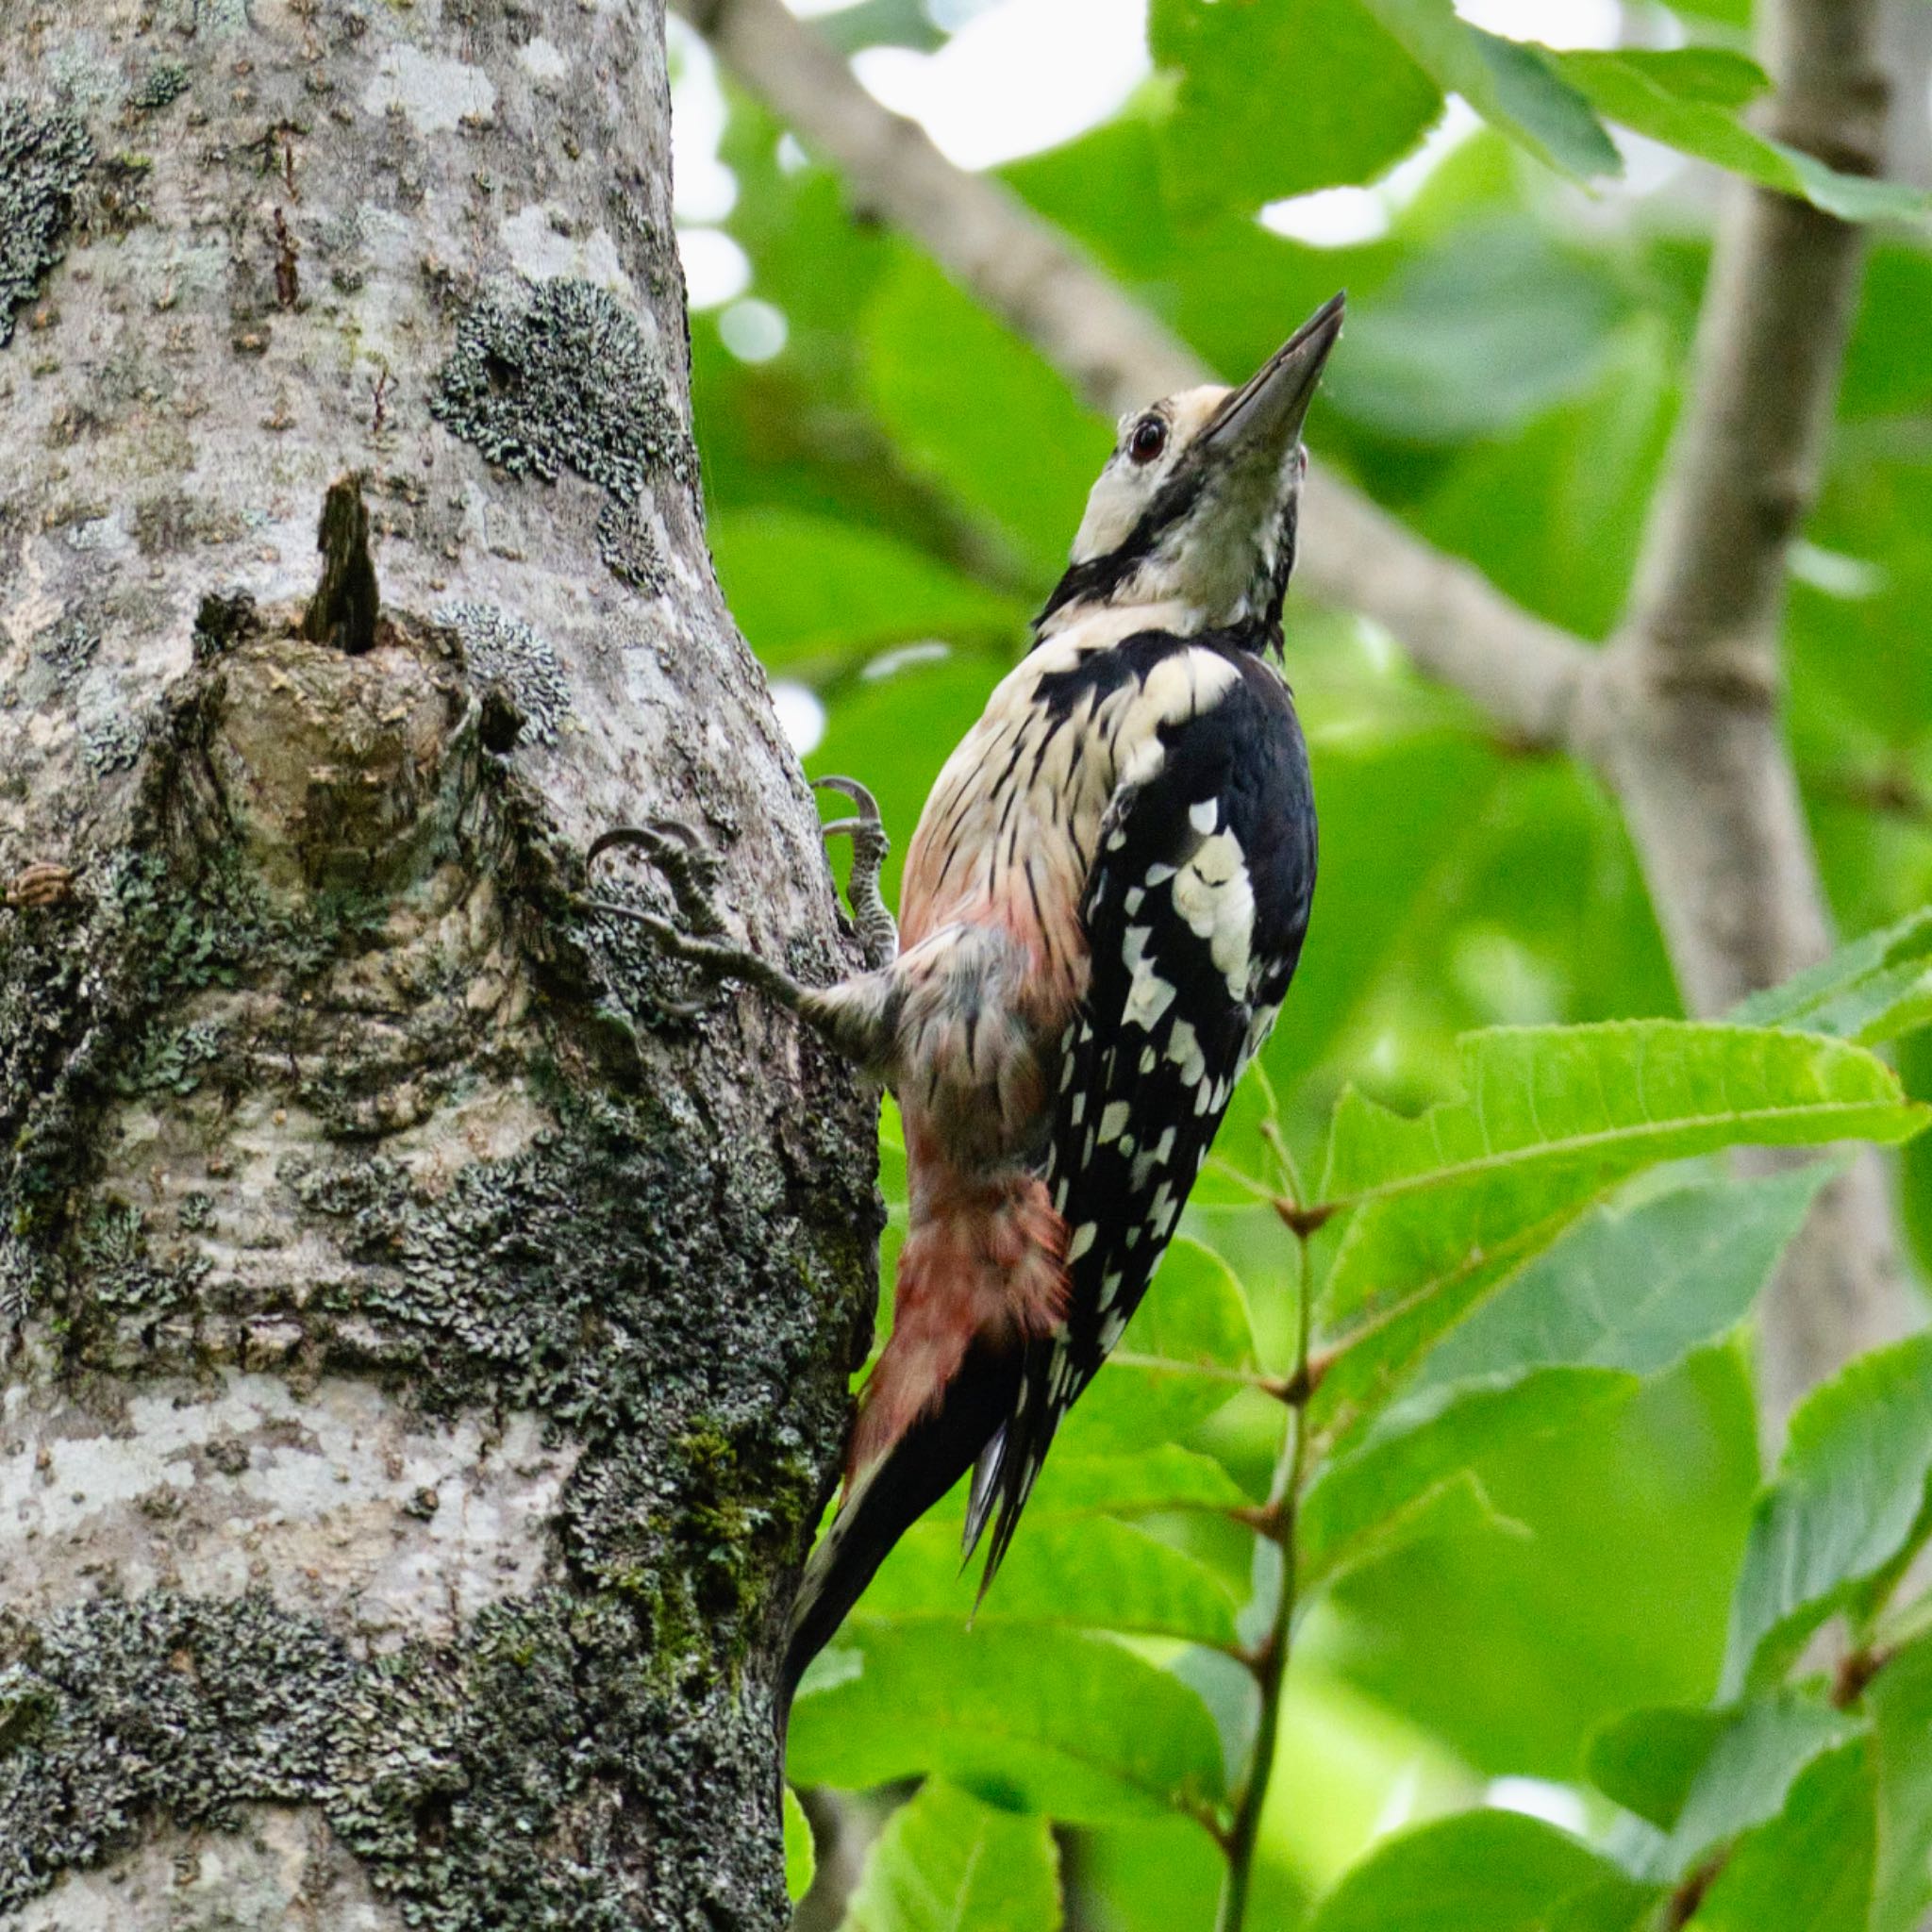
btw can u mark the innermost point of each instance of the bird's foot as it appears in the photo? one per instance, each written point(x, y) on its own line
point(878, 934)
point(690, 872)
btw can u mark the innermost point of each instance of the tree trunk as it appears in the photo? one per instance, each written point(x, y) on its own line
point(431, 1310)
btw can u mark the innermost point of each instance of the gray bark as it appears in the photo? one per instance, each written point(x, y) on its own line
point(429, 1311)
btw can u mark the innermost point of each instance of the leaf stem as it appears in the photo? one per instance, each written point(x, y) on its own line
point(1268, 1661)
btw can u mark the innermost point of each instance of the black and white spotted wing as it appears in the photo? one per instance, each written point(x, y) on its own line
point(1194, 910)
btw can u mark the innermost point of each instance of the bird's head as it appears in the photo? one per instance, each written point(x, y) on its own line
point(1196, 505)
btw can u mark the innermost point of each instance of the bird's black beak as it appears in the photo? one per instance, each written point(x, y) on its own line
point(1264, 418)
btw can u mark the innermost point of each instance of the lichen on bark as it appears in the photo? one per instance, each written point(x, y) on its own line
point(429, 1311)
point(43, 163)
point(450, 1773)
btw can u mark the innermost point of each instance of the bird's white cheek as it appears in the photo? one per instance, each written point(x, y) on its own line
point(1113, 508)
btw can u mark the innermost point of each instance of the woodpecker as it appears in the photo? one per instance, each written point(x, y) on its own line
point(1103, 905)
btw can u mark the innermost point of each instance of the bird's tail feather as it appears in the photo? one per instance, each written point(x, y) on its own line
point(886, 1499)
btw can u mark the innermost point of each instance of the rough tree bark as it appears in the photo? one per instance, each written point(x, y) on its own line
point(429, 1315)
point(1680, 713)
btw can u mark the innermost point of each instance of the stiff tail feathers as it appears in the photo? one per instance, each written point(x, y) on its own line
point(888, 1497)
point(1012, 1461)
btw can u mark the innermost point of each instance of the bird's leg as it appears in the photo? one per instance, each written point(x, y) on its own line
point(673, 849)
point(857, 1016)
point(878, 933)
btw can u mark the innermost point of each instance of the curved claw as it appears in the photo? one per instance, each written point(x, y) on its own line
point(685, 834)
point(868, 805)
point(687, 867)
point(645, 838)
point(878, 937)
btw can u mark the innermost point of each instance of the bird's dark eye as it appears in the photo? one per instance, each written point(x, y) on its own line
point(1148, 440)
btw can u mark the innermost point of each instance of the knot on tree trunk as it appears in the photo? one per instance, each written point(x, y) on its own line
point(337, 773)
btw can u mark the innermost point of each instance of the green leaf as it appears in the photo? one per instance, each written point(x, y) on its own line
point(1716, 75)
point(1614, 1097)
point(1179, 1360)
point(1811, 1868)
point(804, 587)
point(1553, 515)
point(1555, 1115)
point(1899, 1701)
point(1378, 1512)
point(1647, 1760)
point(945, 1862)
point(1850, 1488)
point(801, 1855)
point(1637, 1287)
point(979, 412)
point(1242, 1168)
point(1070, 1725)
point(1517, 1649)
point(1755, 1755)
point(1479, 1871)
point(1872, 989)
point(1383, 1350)
point(1377, 891)
point(1438, 358)
point(1355, 101)
point(1686, 98)
point(1090, 1571)
point(1163, 1477)
point(1417, 1450)
point(1513, 85)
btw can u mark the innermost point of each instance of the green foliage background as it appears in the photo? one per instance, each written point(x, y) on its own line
point(1534, 1539)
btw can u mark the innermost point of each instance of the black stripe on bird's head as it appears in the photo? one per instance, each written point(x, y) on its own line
point(1196, 505)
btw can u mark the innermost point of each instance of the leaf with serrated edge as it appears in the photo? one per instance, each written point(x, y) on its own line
point(1899, 1701)
point(1850, 1488)
point(1418, 1450)
point(1752, 1756)
point(1871, 991)
point(1639, 91)
point(1555, 1115)
point(1634, 1287)
point(1182, 1356)
point(1635, 1091)
point(1809, 1869)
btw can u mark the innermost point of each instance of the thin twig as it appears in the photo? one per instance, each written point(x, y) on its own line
point(1268, 1661)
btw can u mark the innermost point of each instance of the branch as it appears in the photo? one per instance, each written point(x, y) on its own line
point(1280, 1524)
point(1526, 675)
point(1905, 34)
point(1691, 737)
point(1784, 279)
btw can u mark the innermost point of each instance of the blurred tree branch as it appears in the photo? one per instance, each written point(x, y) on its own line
point(1689, 731)
point(1680, 713)
point(1906, 46)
